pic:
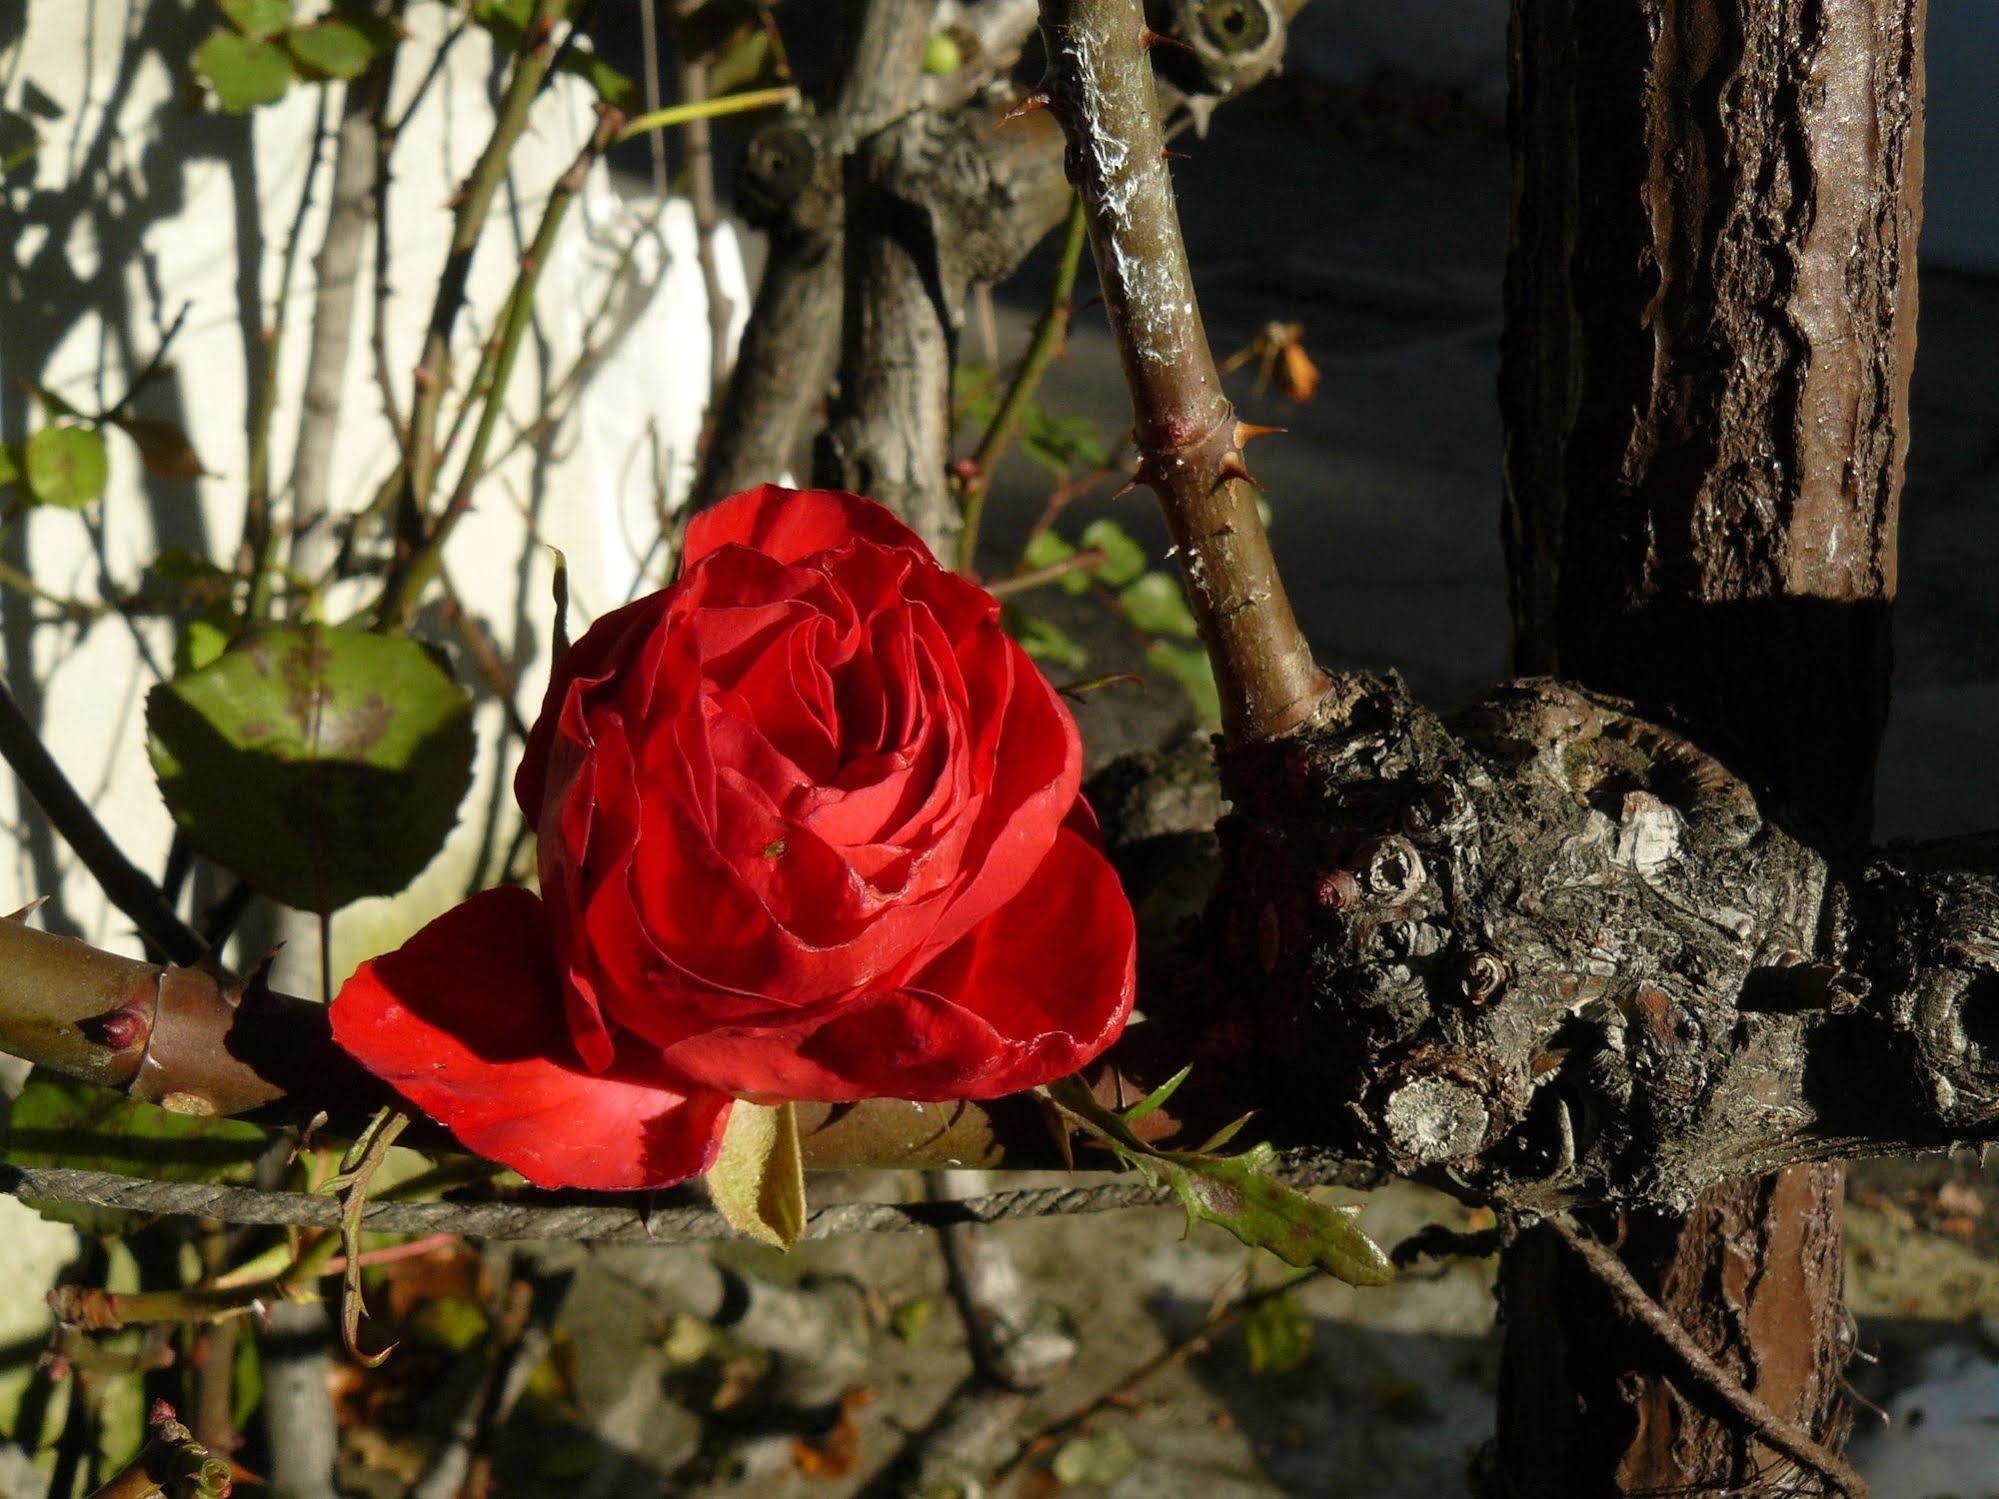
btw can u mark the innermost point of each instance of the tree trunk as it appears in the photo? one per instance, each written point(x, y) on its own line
point(1711, 299)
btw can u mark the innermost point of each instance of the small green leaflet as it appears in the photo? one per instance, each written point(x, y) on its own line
point(1155, 605)
point(1235, 1192)
point(331, 49)
point(65, 465)
point(244, 72)
point(1124, 559)
point(257, 18)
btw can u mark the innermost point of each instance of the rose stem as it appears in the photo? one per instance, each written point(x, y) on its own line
point(1050, 330)
point(1189, 442)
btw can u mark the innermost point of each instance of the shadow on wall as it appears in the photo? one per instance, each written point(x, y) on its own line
point(73, 250)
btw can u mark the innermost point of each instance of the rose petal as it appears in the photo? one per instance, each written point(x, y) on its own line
point(789, 524)
point(594, 658)
point(465, 1021)
point(1029, 996)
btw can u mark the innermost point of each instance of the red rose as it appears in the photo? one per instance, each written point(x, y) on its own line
point(809, 829)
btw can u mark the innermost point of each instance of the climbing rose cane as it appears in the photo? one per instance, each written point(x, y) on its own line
point(809, 828)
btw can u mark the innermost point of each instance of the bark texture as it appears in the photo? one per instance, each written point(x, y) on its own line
point(1711, 312)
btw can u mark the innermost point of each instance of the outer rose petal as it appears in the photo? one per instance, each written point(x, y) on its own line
point(600, 653)
point(790, 524)
point(465, 1020)
point(1028, 996)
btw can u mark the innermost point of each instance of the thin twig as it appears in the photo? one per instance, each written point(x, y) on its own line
point(256, 554)
point(697, 139)
point(475, 199)
point(708, 109)
point(1076, 562)
point(357, 159)
point(1706, 1379)
point(1051, 330)
point(127, 886)
point(1120, 1391)
point(415, 568)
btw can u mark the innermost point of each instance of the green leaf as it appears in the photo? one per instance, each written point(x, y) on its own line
point(1045, 549)
point(1060, 444)
point(1045, 640)
point(60, 1121)
point(1155, 605)
point(1101, 1457)
point(1124, 559)
point(244, 73)
point(1192, 672)
point(1277, 1334)
point(257, 18)
point(1157, 1098)
point(1238, 1193)
point(65, 465)
point(750, 59)
point(758, 1180)
point(10, 463)
point(163, 448)
point(204, 639)
point(908, 1320)
point(321, 764)
point(331, 49)
point(619, 90)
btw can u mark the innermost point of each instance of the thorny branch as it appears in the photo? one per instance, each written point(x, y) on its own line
point(1189, 440)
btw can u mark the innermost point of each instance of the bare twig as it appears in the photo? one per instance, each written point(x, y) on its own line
point(1121, 1390)
point(1050, 330)
point(256, 553)
point(1054, 572)
point(171, 1462)
point(696, 138)
point(415, 567)
point(1706, 1380)
point(475, 199)
point(1189, 440)
point(298, 1413)
point(357, 160)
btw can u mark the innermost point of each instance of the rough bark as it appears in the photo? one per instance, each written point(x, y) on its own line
point(793, 185)
point(1711, 310)
point(935, 202)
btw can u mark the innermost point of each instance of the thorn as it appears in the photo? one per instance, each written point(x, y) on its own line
point(1248, 432)
point(29, 909)
point(1148, 39)
point(1169, 155)
point(1139, 476)
point(1039, 99)
point(1232, 467)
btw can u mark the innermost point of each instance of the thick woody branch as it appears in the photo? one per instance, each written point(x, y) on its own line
point(1188, 437)
point(1546, 953)
point(1549, 952)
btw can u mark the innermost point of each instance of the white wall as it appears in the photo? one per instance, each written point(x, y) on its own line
point(144, 202)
